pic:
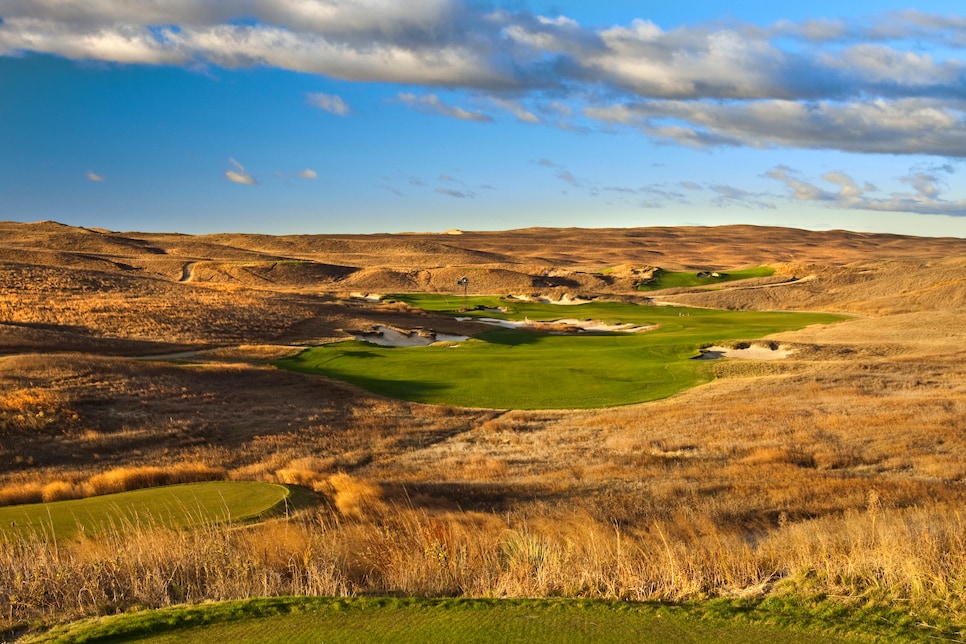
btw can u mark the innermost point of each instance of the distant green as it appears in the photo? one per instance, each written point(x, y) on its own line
point(679, 279)
point(173, 506)
point(522, 369)
point(534, 621)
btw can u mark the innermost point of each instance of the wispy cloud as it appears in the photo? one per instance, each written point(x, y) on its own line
point(308, 173)
point(458, 194)
point(928, 185)
point(329, 103)
point(92, 176)
point(239, 175)
point(432, 103)
point(516, 109)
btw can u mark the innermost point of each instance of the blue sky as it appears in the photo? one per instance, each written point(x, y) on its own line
point(316, 116)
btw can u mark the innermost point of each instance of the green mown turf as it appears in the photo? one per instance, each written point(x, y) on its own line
point(174, 506)
point(520, 369)
point(675, 279)
point(404, 620)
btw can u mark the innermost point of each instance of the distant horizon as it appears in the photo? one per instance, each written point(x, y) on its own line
point(366, 116)
point(456, 232)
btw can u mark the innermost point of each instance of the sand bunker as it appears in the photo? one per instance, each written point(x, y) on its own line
point(566, 325)
point(368, 297)
point(754, 352)
point(387, 337)
point(565, 300)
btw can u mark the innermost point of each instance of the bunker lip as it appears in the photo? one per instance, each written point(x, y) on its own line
point(389, 337)
point(753, 352)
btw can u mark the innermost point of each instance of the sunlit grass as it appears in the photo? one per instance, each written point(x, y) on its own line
point(524, 369)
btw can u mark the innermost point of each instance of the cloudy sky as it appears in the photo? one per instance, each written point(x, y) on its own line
point(285, 116)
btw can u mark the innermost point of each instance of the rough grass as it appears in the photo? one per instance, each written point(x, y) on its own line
point(841, 574)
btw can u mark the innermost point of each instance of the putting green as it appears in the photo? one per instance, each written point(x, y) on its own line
point(173, 506)
point(523, 369)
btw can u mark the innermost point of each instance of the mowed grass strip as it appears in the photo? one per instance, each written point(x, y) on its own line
point(522, 369)
point(683, 279)
point(174, 506)
point(424, 621)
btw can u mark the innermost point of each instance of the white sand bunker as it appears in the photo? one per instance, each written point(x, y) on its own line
point(368, 297)
point(565, 300)
point(566, 325)
point(753, 352)
point(387, 337)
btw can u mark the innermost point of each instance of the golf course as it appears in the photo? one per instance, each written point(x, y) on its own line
point(534, 366)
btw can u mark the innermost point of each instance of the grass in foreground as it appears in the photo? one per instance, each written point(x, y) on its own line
point(173, 506)
point(486, 620)
point(522, 369)
point(680, 279)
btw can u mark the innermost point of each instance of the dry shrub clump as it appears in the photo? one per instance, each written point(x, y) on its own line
point(355, 497)
point(120, 479)
point(133, 478)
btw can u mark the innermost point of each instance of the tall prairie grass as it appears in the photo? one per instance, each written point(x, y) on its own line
point(913, 555)
point(120, 479)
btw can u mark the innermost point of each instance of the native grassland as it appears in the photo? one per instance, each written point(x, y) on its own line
point(837, 472)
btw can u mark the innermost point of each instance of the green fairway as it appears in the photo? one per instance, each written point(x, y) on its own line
point(173, 506)
point(523, 369)
point(422, 621)
point(679, 279)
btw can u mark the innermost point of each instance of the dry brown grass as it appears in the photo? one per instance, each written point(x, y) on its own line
point(914, 555)
point(838, 469)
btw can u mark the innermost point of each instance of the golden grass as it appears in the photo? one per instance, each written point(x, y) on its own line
point(838, 470)
point(914, 555)
point(120, 479)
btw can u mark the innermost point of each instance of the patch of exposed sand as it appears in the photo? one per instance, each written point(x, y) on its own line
point(368, 297)
point(387, 337)
point(754, 352)
point(565, 300)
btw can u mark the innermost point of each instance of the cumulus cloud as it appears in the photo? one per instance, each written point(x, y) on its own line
point(863, 85)
point(928, 186)
point(239, 175)
point(330, 103)
point(92, 176)
point(432, 103)
point(308, 173)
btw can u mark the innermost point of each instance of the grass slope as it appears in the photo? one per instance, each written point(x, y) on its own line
point(680, 279)
point(173, 506)
point(487, 620)
point(521, 369)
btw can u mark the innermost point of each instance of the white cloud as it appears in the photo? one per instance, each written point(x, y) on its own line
point(329, 102)
point(866, 85)
point(909, 126)
point(926, 198)
point(92, 176)
point(239, 175)
point(432, 103)
point(517, 110)
point(308, 173)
